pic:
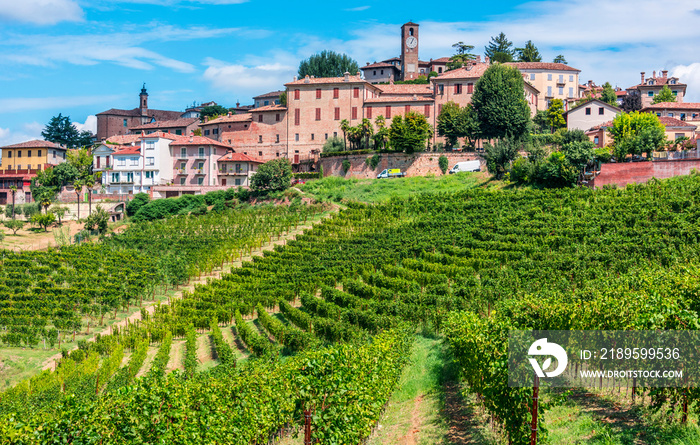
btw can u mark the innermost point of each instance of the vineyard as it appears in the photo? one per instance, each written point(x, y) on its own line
point(321, 328)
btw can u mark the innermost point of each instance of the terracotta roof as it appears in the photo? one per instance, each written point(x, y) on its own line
point(159, 134)
point(269, 108)
point(239, 157)
point(327, 80)
point(379, 65)
point(243, 117)
point(620, 93)
point(673, 105)
point(403, 89)
point(123, 139)
point(270, 94)
point(673, 122)
point(196, 140)
point(36, 143)
point(392, 99)
point(542, 66)
point(471, 72)
point(441, 60)
point(660, 81)
point(135, 150)
point(160, 115)
point(182, 122)
point(396, 59)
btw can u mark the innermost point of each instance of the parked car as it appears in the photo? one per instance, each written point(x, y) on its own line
point(466, 166)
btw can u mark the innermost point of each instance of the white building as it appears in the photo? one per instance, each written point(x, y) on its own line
point(590, 114)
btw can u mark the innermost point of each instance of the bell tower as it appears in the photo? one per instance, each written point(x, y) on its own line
point(143, 101)
point(409, 51)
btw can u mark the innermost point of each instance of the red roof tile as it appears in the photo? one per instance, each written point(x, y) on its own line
point(123, 139)
point(270, 94)
point(379, 65)
point(135, 150)
point(659, 82)
point(392, 99)
point(36, 143)
point(673, 106)
point(196, 140)
point(183, 122)
point(327, 80)
point(673, 122)
point(239, 157)
point(159, 134)
point(441, 60)
point(471, 72)
point(542, 66)
point(269, 108)
point(242, 117)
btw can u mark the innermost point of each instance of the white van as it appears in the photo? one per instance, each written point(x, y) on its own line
point(466, 166)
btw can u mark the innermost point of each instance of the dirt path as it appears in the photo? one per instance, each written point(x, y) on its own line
point(216, 274)
point(205, 352)
point(146, 366)
point(177, 351)
point(416, 421)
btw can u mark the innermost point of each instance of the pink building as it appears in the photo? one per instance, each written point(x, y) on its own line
point(194, 160)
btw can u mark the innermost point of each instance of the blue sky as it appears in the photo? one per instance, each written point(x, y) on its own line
point(81, 57)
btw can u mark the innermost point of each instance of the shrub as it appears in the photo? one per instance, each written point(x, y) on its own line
point(97, 220)
point(275, 175)
point(333, 145)
point(346, 166)
point(43, 219)
point(523, 171)
point(138, 201)
point(443, 162)
point(30, 209)
point(603, 154)
point(14, 225)
point(373, 161)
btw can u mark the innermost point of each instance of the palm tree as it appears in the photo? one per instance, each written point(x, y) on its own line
point(345, 126)
point(367, 130)
point(78, 186)
point(90, 183)
point(13, 189)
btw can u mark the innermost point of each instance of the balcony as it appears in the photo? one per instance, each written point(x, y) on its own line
point(233, 172)
point(181, 171)
point(199, 156)
point(198, 171)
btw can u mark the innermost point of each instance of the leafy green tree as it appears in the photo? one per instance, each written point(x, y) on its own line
point(608, 94)
point(665, 95)
point(529, 53)
point(366, 130)
point(328, 64)
point(212, 111)
point(409, 133)
point(469, 124)
point(500, 49)
point(44, 220)
point(97, 220)
point(579, 153)
point(500, 103)
point(44, 187)
point(560, 59)
point(555, 114)
point(65, 173)
point(13, 224)
point(13, 190)
point(60, 212)
point(275, 175)
point(636, 133)
point(283, 99)
point(333, 145)
point(557, 171)
point(443, 163)
point(499, 156)
point(447, 123)
point(345, 128)
point(60, 130)
point(139, 200)
point(461, 57)
point(539, 123)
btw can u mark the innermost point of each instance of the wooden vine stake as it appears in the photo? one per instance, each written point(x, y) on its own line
point(535, 398)
point(307, 427)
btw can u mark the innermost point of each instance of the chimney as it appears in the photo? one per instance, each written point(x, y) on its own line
point(478, 59)
point(415, 97)
point(367, 63)
point(307, 79)
point(359, 74)
point(487, 59)
point(347, 77)
point(642, 77)
point(653, 76)
point(206, 119)
point(664, 73)
point(191, 138)
point(230, 114)
point(295, 78)
point(238, 104)
point(590, 83)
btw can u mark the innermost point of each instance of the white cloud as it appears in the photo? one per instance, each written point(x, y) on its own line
point(358, 9)
point(16, 104)
point(89, 125)
point(40, 12)
point(27, 132)
point(689, 74)
point(248, 79)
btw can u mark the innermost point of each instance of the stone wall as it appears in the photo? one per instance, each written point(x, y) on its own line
point(640, 172)
point(417, 164)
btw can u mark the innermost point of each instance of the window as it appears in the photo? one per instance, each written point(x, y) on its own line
point(441, 89)
point(150, 161)
point(335, 134)
point(129, 177)
point(149, 175)
point(354, 113)
point(115, 177)
point(178, 132)
point(382, 72)
point(183, 166)
point(182, 180)
point(337, 113)
point(470, 88)
point(313, 136)
point(658, 114)
point(326, 136)
point(426, 110)
point(121, 162)
point(407, 109)
point(682, 116)
point(458, 88)
point(200, 180)
point(125, 122)
point(19, 153)
point(318, 93)
point(561, 78)
point(260, 117)
point(296, 94)
point(588, 111)
point(39, 154)
point(201, 152)
point(595, 140)
point(650, 94)
point(549, 77)
point(388, 111)
point(260, 154)
point(134, 161)
point(54, 154)
point(29, 166)
point(260, 139)
point(183, 152)
point(318, 114)
point(356, 92)
point(238, 181)
point(571, 91)
point(374, 73)
point(439, 70)
point(206, 132)
point(297, 117)
point(215, 131)
point(29, 153)
point(296, 137)
point(532, 76)
point(561, 91)
point(369, 112)
point(200, 166)
point(238, 168)
point(266, 103)
point(150, 145)
point(670, 115)
point(571, 78)
point(278, 117)
point(601, 111)
point(675, 93)
point(277, 138)
point(9, 154)
point(549, 91)
point(19, 166)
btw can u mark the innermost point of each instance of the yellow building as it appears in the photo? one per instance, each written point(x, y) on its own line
point(20, 163)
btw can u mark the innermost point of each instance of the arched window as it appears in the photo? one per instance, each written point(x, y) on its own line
point(410, 31)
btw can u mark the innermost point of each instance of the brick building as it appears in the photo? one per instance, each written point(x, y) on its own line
point(651, 86)
point(118, 122)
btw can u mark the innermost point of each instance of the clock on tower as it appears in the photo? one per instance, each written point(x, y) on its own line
point(409, 51)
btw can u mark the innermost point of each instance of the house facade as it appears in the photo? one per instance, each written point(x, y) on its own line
point(674, 129)
point(236, 169)
point(684, 111)
point(588, 115)
point(552, 80)
point(650, 87)
point(21, 163)
point(194, 160)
